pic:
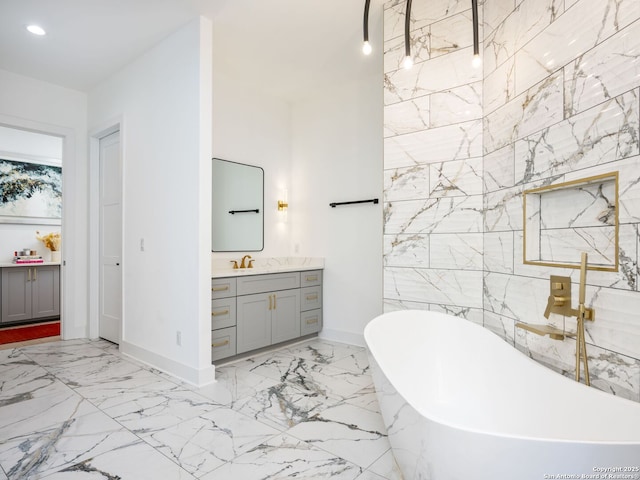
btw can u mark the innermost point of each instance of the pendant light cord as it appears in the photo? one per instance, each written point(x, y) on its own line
point(365, 22)
point(407, 21)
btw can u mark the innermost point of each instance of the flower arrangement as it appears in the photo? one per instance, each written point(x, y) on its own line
point(50, 240)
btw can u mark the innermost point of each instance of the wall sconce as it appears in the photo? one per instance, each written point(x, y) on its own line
point(366, 46)
point(283, 204)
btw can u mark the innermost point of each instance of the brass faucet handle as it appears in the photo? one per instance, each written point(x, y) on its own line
point(559, 301)
point(547, 311)
point(557, 286)
point(250, 264)
point(235, 264)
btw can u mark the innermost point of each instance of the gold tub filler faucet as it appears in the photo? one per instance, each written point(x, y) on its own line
point(560, 302)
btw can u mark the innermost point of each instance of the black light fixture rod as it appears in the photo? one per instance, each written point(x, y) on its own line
point(476, 43)
point(365, 22)
point(407, 21)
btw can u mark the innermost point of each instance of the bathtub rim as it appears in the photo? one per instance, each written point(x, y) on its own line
point(522, 357)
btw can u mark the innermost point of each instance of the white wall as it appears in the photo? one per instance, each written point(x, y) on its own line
point(337, 156)
point(163, 101)
point(42, 107)
point(255, 128)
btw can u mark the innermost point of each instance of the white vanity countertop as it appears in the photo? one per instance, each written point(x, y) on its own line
point(221, 268)
point(11, 264)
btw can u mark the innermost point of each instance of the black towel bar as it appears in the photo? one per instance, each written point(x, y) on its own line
point(255, 210)
point(335, 204)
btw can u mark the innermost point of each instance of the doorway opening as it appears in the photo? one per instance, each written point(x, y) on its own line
point(31, 207)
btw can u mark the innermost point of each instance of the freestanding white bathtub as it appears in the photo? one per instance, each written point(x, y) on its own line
point(460, 403)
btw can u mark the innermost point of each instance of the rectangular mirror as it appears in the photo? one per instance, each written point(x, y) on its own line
point(237, 203)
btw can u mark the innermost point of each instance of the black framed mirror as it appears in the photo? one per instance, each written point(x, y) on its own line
point(237, 207)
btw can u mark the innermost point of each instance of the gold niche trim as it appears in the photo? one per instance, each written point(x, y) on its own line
point(611, 176)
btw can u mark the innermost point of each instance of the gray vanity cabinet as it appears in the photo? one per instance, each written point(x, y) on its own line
point(256, 311)
point(269, 317)
point(30, 293)
point(311, 302)
point(223, 318)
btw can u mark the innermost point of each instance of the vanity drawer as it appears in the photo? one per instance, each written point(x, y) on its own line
point(310, 278)
point(223, 313)
point(311, 298)
point(223, 287)
point(310, 321)
point(268, 283)
point(223, 343)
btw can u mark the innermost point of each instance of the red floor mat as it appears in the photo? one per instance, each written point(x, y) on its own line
point(29, 332)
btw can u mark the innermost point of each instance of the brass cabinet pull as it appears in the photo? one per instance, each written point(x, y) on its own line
point(223, 312)
point(311, 321)
point(28, 274)
point(312, 297)
point(274, 302)
point(35, 274)
point(220, 289)
point(220, 344)
point(312, 278)
point(270, 305)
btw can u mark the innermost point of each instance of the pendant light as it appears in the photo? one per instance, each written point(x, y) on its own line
point(476, 44)
point(408, 61)
point(366, 46)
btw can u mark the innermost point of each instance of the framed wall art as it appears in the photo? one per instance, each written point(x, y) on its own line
point(30, 192)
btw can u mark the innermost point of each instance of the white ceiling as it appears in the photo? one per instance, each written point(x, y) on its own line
point(285, 47)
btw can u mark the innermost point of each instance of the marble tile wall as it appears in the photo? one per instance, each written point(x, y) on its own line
point(433, 161)
point(556, 100)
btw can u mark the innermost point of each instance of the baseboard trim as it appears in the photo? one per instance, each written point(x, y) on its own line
point(343, 337)
point(190, 375)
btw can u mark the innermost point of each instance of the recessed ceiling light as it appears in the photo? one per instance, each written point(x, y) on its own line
point(36, 30)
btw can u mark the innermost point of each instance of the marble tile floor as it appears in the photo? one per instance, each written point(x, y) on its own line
point(81, 410)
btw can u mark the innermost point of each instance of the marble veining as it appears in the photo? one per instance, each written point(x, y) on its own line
point(303, 411)
point(556, 100)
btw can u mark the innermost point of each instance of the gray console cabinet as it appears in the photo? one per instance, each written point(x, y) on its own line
point(30, 293)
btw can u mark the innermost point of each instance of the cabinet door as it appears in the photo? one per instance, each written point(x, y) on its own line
point(16, 294)
point(253, 321)
point(285, 315)
point(45, 291)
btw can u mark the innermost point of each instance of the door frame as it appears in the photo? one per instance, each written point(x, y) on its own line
point(68, 181)
point(95, 136)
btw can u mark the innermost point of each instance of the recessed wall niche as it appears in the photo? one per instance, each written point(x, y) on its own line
point(564, 219)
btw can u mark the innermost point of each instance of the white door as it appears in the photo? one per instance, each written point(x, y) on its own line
point(110, 239)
